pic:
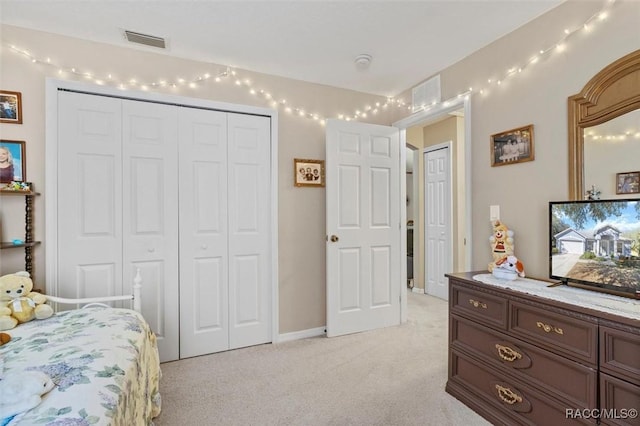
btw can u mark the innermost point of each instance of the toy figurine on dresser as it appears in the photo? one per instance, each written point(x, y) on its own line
point(505, 264)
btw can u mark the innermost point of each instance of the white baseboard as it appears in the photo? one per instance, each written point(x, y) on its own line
point(302, 334)
point(418, 290)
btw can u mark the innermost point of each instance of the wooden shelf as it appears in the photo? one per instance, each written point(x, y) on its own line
point(9, 245)
point(28, 243)
point(22, 193)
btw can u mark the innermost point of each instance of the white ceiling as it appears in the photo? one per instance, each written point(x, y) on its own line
point(315, 41)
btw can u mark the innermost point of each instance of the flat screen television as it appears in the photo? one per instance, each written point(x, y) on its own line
point(595, 244)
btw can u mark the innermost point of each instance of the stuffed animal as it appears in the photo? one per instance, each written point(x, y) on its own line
point(510, 263)
point(18, 304)
point(4, 338)
point(22, 391)
point(501, 242)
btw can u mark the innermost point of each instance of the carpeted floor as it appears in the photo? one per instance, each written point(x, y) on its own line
point(392, 376)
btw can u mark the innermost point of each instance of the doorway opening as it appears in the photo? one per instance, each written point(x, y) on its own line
point(449, 124)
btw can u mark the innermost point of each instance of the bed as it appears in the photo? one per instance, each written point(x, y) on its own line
point(103, 361)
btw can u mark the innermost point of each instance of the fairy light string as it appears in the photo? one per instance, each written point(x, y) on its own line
point(230, 74)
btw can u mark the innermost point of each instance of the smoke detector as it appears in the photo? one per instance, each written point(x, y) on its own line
point(363, 61)
point(146, 39)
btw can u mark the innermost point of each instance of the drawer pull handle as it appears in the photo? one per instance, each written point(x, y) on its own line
point(478, 304)
point(507, 354)
point(507, 395)
point(549, 328)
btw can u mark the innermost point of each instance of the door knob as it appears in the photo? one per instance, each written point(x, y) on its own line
point(334, 238)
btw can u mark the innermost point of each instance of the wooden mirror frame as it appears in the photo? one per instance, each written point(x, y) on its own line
point(614, 91)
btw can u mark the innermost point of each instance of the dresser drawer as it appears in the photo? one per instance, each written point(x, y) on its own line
point(512, 397)
point(483, 307)
point(617, 397)
point(569, 380)
point(620, 354)
point(558, 332)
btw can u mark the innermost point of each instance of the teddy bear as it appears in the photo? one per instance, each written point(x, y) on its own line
point(501, 242)
point(22, 391)
point(18, 304)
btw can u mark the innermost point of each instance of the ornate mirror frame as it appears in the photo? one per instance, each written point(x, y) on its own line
point(614, 91)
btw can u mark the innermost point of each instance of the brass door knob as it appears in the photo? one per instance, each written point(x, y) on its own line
point(334, 238)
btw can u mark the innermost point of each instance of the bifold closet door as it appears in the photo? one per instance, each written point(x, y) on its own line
point(204, 325)
point(225, 269)
point(249, 230)
point(89, 196)
point(150, 214)
point(117, 186)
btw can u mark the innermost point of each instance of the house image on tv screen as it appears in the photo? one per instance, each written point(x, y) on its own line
point(605, 241)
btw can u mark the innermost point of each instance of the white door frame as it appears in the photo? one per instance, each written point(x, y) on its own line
point(423, 118)
point(445, 145)
point(51, 170)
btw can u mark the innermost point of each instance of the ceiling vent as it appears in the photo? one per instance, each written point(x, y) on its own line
point(147, 40)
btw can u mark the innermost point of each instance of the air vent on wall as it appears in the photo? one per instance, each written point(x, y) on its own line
point(426, 94)
point(147, 40)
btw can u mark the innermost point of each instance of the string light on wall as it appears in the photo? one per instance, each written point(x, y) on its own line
point(559, 46)
point(229, 73)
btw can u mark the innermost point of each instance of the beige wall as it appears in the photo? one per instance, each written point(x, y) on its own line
point(301, 210)
point(536, 96)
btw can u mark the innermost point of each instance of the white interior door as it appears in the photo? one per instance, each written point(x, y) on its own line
point(225, 234)
point(438, 256)
point(363, 227)
point(90, 226)
point(150, 215)
point(204, 293)
point(249, 230)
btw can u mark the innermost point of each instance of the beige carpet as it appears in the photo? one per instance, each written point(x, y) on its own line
point(392, 376)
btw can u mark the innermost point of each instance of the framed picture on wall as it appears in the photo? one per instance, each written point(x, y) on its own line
point(12, 161)
point(308, 172)
point(628, 183)
point(10, 107)
point(512, 146)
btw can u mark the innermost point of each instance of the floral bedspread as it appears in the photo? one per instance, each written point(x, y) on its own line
point(103, 361)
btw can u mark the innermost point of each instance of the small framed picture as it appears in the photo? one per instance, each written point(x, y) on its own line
point(13, 162)
point(10, 107)
point(308, 172)
point(628, 183)
point(512, 146)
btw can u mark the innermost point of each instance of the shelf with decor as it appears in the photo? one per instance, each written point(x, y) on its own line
point(28, 243)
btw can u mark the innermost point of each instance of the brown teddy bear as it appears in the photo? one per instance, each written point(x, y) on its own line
point(18, 304)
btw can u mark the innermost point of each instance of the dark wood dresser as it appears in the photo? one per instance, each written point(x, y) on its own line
point(519, 357)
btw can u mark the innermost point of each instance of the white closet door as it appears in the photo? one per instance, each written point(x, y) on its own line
point(150, 222)
point(249, 230)
point(204, 297)
point(89, 196)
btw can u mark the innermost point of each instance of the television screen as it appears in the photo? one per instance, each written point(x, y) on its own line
point(596, 244)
